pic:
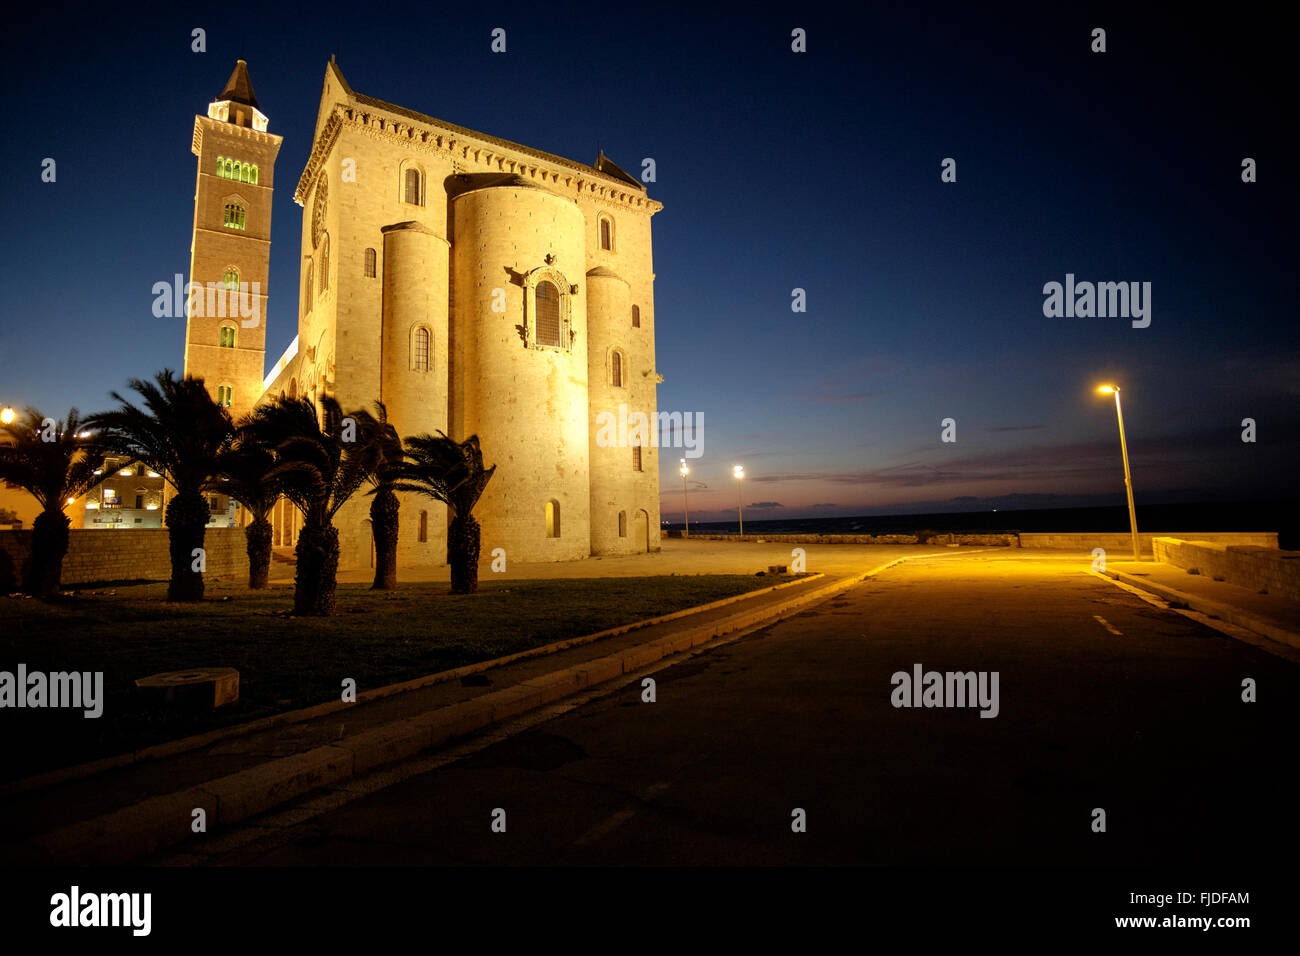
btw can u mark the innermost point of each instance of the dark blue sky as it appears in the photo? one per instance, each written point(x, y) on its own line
point(777, 170)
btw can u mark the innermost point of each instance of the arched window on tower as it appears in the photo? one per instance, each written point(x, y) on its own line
point(224, 395)
point(227, 337)
point(307, 287)
point(411, 187)
point(616, 368)
point(622, 524)
point(424, 526)
point(325, 262)
point(548, 314)
point(636, 457)
point(230, 279)
point(607, 233)
point(636, 316)
point(370, 263)
point(234, 216)
point(552, 519)
point(420, 350)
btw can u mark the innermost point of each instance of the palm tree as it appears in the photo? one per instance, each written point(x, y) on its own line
point(244, 474)
point(451, 472)
point(386, 450)
point(321, 463)
point(180, 433)
point(55, 464)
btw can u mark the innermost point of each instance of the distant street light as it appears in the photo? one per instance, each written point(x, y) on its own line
point(739, 472)
point(686, 514)
point(7, 416)
point(1128, 479)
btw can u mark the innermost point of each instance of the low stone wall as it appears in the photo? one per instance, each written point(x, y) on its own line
point(126, 555)
point(986, 540)
point(1118, 545)
point(1260, 569)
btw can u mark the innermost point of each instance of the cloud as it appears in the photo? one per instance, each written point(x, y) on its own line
point(764, 505)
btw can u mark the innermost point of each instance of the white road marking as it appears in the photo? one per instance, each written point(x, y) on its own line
point(622, 816)
point(1107, 625)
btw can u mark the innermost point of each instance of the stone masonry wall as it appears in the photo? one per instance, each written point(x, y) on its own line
point(95, 556)
point(1261, 569)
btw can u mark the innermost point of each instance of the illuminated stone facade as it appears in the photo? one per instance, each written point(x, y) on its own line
point(472, 285)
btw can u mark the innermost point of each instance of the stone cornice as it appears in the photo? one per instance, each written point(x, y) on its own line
point(467, 149)
point(229, 129)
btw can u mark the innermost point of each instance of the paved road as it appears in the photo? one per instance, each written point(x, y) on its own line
point(1104, 701)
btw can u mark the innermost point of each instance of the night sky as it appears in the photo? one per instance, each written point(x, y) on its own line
point(777, 170)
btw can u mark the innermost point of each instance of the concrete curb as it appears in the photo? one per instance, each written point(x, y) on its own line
point(1223, 612)
point(162, 821)
point(172, 747)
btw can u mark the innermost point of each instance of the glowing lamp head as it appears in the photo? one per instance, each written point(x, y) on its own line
point(683, 469)
point(738, 471)
point(72, 501)
point(1107, 389)
point(7, 416)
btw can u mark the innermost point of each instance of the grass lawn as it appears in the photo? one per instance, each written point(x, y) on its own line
point(284, 662)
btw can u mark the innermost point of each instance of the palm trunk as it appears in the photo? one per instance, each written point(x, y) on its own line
point(257, 538)
point(49, 545)
point(384, 511)
point(462, 554)
point(187, 521)
point(316, 577)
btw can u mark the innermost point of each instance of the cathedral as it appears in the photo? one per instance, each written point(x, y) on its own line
point(471, 284)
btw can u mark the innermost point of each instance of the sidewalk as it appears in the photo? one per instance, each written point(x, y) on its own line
point(132, 810)
point(1268, 615)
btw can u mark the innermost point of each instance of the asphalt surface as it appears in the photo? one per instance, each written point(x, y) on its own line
point(1103, 702)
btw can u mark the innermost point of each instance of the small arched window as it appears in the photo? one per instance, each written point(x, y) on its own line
point(622, 524)
point(606, 233)
point(552, 519)
point(636, 457)
point(424, 526)
point(224, 395)
point(307, 286)
point(253, 179)
point(325, 262)
point(227, 336)
point(411, 187)
point(420, 350)
point(370, 263)
point(616, 368)
point(636, 316)
point(228, 168)
point(230, 279)
point(548, 314)
point(235, 216)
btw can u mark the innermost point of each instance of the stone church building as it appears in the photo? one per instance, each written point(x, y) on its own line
point(471, 284)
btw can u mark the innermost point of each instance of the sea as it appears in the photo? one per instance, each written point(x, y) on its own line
point(1280, 516)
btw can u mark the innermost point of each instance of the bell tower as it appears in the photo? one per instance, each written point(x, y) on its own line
point(230, 253)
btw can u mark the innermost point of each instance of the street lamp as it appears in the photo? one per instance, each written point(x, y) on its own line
point(1128, 479)
point(739, 472)
point(686, 514)
point(7, 416)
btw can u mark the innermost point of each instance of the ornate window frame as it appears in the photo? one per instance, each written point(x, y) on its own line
point(567, 290)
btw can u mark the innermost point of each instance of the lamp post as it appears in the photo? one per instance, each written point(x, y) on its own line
point(7, 416)
point(1128, 479)
point(739, 472)
point(686, 513)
